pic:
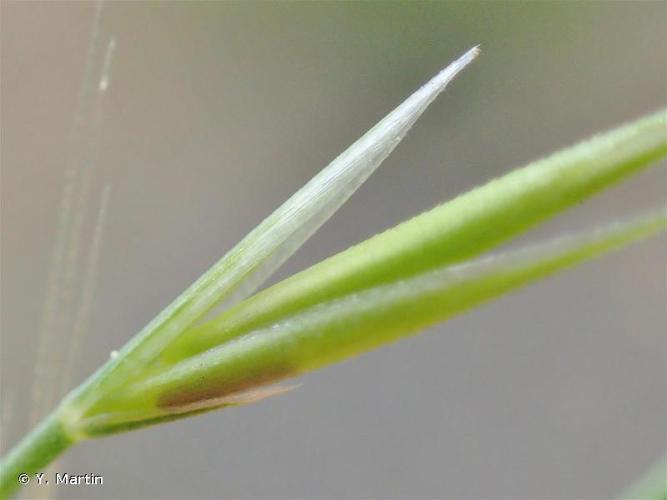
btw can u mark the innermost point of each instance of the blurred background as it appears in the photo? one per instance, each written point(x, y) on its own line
point(216, 112)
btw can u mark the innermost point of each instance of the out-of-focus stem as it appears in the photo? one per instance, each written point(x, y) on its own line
point(653, 486)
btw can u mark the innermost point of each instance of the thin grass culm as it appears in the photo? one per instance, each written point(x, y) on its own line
point(416, 274)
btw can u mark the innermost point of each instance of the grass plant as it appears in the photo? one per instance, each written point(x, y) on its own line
point(390, 286)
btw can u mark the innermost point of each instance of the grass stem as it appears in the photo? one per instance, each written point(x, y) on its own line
point(31, 455)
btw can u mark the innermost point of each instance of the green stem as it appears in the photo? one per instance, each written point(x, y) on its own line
point(39, 448)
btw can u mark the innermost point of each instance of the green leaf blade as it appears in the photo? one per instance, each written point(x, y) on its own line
point(453, 232)
point(351, 325)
